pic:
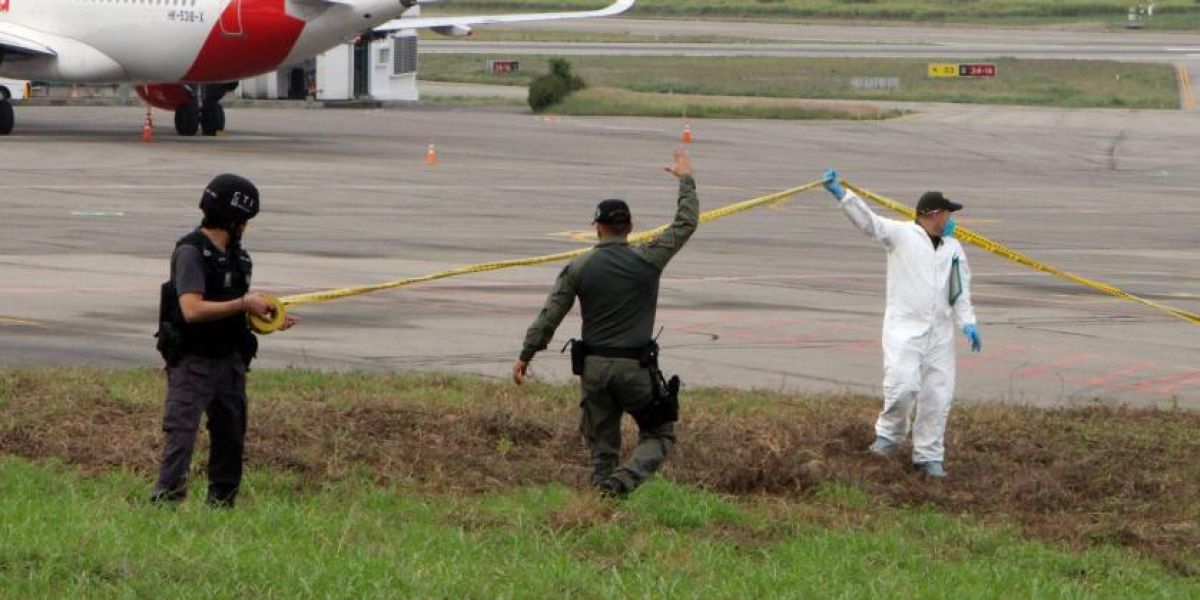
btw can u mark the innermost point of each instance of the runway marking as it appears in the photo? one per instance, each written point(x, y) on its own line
point(1054, 366)
point(1106, 380)
point(97, 213)
point(1166, 384)
point(1185, 87)
point(587, 237)
point(10, 321)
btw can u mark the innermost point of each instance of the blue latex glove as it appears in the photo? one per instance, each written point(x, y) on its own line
point(949, 227)
point(972, 334)
point(833, 184)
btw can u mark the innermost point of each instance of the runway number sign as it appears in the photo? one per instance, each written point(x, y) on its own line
point(977, 70)
point(949, 70)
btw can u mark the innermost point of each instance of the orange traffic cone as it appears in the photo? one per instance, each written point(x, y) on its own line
point(431, 158)
point(148, 128)
point(687, 133)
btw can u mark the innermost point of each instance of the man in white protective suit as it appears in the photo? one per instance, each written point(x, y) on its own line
point(928, 296)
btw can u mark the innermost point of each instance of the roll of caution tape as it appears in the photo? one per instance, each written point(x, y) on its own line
point(268, 326)
point(1001, 250)
point(636, 238)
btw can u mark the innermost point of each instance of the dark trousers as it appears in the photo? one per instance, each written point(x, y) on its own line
point(612, 387)
point(215, 387)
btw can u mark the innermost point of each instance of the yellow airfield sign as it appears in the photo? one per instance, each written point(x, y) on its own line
point(943, 69)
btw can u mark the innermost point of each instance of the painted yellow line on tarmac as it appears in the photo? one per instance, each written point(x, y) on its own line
point(11, 322)
point(1185, 87)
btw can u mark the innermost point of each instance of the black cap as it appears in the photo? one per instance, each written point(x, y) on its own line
point(933, 201)
point(612, 212)
point(229, 198)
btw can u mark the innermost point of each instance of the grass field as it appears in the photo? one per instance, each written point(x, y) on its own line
point(508, 34)
point(617, 102)
point(1024, 82)
point(371, 485)
point(1169, 14)
point(94, 537)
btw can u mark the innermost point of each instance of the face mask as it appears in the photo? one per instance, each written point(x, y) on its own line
point(949, 227)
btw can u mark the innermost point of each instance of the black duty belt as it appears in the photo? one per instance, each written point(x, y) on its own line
point(634, 353)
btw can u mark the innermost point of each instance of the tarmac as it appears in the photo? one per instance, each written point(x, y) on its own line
point(789, 298)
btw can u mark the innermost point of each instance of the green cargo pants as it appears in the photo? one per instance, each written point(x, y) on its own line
point(612, 386)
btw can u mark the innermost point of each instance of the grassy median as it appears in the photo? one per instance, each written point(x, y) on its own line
point(1064, 83)
point(1169, 14)
point(376, 485)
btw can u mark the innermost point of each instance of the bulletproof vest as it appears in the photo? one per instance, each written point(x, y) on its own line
point(226, 277)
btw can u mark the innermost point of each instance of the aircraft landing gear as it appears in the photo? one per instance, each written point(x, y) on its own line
point(203, 113)
point(212, 118)
point(187, 119)
point(7, 120)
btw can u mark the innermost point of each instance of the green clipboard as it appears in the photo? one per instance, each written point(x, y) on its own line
point(955, 282)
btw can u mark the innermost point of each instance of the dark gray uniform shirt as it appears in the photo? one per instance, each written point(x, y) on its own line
point(617, 286)
point(187, 270)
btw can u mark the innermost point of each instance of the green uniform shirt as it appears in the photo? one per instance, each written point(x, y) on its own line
point(617, 285)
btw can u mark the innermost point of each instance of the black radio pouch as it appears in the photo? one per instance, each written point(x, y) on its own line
point(170, 325)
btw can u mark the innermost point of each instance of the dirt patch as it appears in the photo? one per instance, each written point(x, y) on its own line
point(1077, 476)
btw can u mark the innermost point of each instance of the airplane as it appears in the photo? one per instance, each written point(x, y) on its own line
point(184, 56)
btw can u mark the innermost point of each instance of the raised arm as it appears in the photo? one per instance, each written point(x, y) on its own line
point(873, 226)
point(687, 216)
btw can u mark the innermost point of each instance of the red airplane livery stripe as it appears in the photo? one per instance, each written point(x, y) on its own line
point(251, 37)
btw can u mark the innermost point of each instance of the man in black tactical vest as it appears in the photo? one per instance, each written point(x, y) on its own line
point(207, 344)
point(617, 360)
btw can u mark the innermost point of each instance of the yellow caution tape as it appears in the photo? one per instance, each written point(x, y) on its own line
point(643, 237)
point(999, 249)
point(278, 304)
point(265, 326)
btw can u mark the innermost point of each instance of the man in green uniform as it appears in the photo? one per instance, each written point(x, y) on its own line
point(617, 286)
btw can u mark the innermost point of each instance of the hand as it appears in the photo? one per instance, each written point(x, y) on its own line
point(289, 321)
point(683, 164)
point(972, 334)
point(520, 371)
point(256, 304)
point(833, 183)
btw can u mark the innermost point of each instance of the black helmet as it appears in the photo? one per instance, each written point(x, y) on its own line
point(230, 200)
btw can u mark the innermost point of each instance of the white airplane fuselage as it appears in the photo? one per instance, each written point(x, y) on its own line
point(179, 41)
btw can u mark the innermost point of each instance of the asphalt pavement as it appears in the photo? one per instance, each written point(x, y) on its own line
point(786, 298)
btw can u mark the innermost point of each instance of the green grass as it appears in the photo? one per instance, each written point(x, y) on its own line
point(508, 34)
point(615, 102)
point(1062, 83)
point(62, 535)
point(436, 485)
point(1169, 14)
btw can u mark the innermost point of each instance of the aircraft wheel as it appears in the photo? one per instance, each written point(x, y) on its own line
point(212, 119)
point(7, 119)
point(187, 120)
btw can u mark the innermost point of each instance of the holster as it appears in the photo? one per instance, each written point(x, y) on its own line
point(664, 403)
point(170, 342)
point(579, 353)
point(248, 349)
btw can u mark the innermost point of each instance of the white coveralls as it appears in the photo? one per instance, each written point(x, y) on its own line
point(918, 328)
